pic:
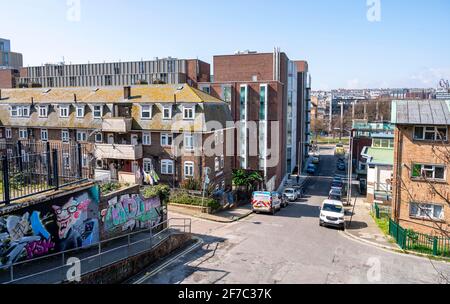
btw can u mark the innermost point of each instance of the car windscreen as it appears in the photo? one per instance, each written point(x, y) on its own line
point(289, 191)
point(335, 197)
point(261, 198)
point(332, 208)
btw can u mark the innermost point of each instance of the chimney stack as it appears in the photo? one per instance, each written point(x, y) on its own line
point(75, 97)
point(0, 94)
point(127, 92)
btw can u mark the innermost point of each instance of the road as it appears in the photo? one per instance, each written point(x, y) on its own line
point(290, 247)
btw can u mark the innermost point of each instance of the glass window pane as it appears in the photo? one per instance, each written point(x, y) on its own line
point(417, 171)
point(418, 133)
point(439, 173)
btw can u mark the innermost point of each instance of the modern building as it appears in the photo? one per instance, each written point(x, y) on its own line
point(10, 63)
point(422, 165)
point(159, 71)
point(133, 130)
point(269, 97)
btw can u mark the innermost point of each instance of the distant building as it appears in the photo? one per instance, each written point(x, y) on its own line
point(422, 165)
point(10, 63)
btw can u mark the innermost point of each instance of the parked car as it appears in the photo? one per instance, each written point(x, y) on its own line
point(335, 194)
point(311, 169)
point(337, 185)
point(300, 191)
point(291, 194)
point(316, 160)
point(284, 199)
point(341, 166)
point(266, 202)
point(332, 213)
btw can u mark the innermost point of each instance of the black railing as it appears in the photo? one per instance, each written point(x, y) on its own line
point(28, 172)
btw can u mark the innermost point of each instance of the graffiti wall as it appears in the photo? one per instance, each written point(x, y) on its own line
point(64, 223)
point(125, 213)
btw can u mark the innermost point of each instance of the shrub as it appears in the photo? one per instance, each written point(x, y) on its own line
point(109, 187)
point(186, 199)
point(161, 191)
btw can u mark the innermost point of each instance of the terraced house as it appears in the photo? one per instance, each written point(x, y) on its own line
point(421, 193)
point(133, 131)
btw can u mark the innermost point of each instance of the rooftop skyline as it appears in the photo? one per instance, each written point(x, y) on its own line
point(347, 45)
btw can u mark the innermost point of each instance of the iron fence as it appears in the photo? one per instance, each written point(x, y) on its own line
point(28, 172)
point(53, 269)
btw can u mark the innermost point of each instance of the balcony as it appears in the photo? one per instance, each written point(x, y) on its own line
point(117, 125)
point(113, 151)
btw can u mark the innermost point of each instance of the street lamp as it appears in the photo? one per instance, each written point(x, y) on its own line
point(350, 166)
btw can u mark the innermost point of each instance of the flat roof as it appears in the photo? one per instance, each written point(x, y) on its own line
point(381, 156)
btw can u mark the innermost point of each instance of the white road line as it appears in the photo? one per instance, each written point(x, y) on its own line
point(199, 242)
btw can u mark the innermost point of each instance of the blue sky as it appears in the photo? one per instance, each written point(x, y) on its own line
point(409, 47)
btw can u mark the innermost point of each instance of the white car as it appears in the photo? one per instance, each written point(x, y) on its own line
point(332, 213)
point(291, 194)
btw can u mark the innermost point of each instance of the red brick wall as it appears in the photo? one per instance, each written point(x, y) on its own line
point(243, 67)
point(6, 79)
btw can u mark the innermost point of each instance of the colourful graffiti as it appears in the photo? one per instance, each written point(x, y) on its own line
point(65, 223)
point(130, 212)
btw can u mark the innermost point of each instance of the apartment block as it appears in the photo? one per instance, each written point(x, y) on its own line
point(10, 63)
point(148, 129)
point(421, 191)
point(159, 71)
point(266, 90)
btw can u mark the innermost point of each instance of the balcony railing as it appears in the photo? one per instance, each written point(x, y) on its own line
point(117, 125)
point(113, 151)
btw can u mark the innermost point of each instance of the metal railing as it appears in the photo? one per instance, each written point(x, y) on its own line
point(53, 269)
point(31, 171)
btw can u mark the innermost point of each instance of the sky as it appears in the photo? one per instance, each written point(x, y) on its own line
point(347, 43)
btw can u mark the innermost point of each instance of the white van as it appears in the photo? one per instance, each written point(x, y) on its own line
point(266, 202)
point(332, 213)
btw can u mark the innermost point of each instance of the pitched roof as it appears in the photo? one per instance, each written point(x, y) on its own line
point(421, 112)
point(139, 94)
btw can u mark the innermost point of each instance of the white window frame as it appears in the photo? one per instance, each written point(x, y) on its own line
point(8, 133)
point(94, 110)
point(19, 111)
point(421, 213)
point(44, 131)
point(165, 139)
point(165, 107)
point(66, 160)
point(43, 111)
point(14, 111)
point(147, 165)
point(82, 136)
point(62, 109)
point(189, 169)
point(190, 109)
point(431, 169)
point(63, 137)
point(167, 164)
point(23, 133)
point(85, 161)
point(217, 164)
point(189, 142)
point(82, 109)
point(146, 138)
point(425, 131)
point(101, 137)
point(146, 109)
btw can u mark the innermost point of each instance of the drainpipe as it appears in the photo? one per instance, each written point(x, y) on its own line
point(398, 175)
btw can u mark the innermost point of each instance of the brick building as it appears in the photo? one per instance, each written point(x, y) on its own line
point(263, 89)
point(10, 63)
point(421, 191)
point(160, 129)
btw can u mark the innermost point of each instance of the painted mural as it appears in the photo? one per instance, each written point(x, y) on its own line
point(131, 212)
point(69, 222)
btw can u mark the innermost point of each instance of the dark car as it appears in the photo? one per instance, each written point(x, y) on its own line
point(341, 166)
point(311, 169)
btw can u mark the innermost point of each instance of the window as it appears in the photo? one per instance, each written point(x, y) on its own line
point(64, 111)
point(98, 111)
point(262, 102)
point(431, 133)
point(146, 112)
point(80, 111)
point(8, 133)
point(66, 160)
point(146, 139)
point(188, 113)
point(383, 143)
point(23, 134)
point(167, 112)
point(217, 164)
point(188, 142)
point(431, 172)
point(85, 161)
point(167, 167)
point(98, 137)
point(426, 211)
point(44, 134)
point(43, 111)
point(20, 111)
point(166, 139)
point(206, 89)
point(148, 165)
point(65, 136)
point(226, 94)
point(188, 169)
point(222, 162)
point(14, 111)
point(81, 136)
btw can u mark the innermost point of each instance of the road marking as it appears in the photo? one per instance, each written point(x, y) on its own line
point(148, 275)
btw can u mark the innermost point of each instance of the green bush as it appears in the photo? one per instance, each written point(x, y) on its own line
point(161, 191)
point(186, 199)
point(109, 187)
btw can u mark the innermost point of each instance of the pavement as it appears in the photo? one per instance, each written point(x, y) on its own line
point(224, 216)
point(291, 248)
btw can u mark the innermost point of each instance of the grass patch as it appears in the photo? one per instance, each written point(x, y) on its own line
point(382, 223)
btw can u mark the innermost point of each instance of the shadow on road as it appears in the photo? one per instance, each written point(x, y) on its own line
point(356, 225)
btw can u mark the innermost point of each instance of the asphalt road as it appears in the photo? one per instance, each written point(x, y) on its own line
point(290, 247)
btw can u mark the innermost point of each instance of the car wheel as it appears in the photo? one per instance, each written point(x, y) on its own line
point(320, 224)
point(273, 211)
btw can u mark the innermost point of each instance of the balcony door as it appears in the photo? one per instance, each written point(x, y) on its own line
point(111, 139)
point(134, 140)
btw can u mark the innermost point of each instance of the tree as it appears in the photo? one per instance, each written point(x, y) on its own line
point(246, 179)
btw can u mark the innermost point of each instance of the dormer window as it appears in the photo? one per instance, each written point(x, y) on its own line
point(80, 111)
point(188, 112)
point(167, 112)
point(64, 111)
point(146, 111)
point(98, 111)
point(20, 111)
point(43, 111)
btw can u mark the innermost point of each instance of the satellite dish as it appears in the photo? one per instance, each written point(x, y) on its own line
point(444, 84)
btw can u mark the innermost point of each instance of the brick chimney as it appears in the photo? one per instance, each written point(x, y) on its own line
point(127, 92)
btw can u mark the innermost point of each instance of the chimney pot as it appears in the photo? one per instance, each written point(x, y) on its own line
point(75, 97)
